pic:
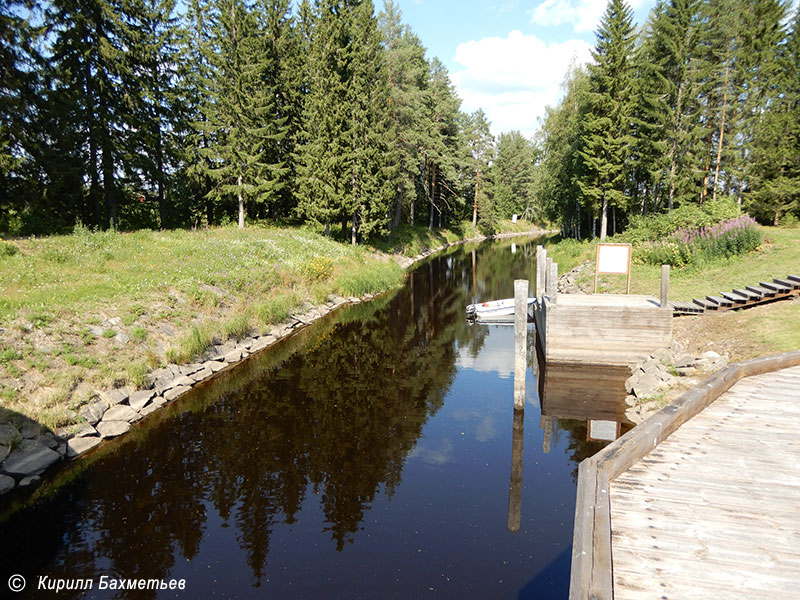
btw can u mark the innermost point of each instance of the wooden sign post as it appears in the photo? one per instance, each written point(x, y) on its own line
point(613, 258)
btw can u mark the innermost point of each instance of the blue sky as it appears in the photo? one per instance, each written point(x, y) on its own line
point(509, 57)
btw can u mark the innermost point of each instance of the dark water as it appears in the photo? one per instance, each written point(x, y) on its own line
point(369, 456)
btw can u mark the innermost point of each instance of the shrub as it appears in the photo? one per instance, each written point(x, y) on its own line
point(689, 245)
point(8, 249)
point(317, 269)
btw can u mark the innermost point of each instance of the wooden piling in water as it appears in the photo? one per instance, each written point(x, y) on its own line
point(520, 341)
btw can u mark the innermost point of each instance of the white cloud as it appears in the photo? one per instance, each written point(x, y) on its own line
point(583, 15)
point(514, 78)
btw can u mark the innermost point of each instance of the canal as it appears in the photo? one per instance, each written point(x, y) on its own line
point(368, 456)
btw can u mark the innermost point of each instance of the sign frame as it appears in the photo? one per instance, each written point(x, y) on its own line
point(613, 258)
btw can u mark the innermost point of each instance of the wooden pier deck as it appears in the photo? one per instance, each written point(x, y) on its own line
point(714, 511)
point(702, 500)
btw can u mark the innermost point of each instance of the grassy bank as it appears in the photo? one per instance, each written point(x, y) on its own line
point(776, 328)
point(98, 309)
point(412, 240)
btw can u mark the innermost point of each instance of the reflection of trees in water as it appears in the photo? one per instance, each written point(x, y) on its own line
point(579, 447)
point(335, 422)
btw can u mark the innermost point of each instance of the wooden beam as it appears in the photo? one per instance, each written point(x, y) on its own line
point(764, 292)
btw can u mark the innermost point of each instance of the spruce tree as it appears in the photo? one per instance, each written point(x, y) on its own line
point(667, 74)
point(606, 124)
point(406, 76)
point(158, 114)
point(442, 150)
point(513, 176)
point(774, 166)
point(237, 110)
point(91, 70)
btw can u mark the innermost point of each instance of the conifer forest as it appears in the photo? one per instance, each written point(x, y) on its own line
point(162, 114)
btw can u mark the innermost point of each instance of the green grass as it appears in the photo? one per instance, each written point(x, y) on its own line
point(778, 256)
point(83, 271)
point(174, 293)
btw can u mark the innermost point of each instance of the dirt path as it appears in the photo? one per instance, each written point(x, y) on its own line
point(740, 334)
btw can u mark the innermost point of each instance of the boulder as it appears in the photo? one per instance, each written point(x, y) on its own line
point(77, 446)
point(189, 369)
point(647, 385)
point(214, 365)
point(121, 412)
point(173, 393)
point(6, 484)
point(116, 395)
point(4, 451)
point(182, 380)
point(233, 356)
point(29, 480)
point(30, 430)
point(109, 429)
point(202, 374)
point(85, 430)
point(93, 411)
point(31, 458)
point(157, 403)
point(8, 433)
point(139, 400)
point(49, 440)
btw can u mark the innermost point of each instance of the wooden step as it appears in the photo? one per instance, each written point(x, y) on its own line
point(771, 285)
point(788, 283)
point(795, 278)
point(723, 302)
point(685, 308)
point(748, 295)
point(705, 304)
point(735, 298)
point(764, 292)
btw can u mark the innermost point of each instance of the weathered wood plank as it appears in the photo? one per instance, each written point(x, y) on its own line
point(795, 279)
point(705, 304)
point(771, 285)
point(735, 298)
point(761, 291)
point(787, 282)
point(723, 302)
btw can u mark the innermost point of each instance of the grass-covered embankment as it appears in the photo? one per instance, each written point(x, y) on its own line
point(411, 240)
point(99, 309)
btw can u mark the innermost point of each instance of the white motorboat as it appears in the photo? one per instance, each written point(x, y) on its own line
point(493, 309)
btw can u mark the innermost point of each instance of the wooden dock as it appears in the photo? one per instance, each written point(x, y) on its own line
point(702, 500)
point(598, 329)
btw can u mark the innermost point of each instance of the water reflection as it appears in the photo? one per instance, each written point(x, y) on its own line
point(381, 430)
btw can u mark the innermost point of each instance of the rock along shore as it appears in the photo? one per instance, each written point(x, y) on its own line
point(26, 450)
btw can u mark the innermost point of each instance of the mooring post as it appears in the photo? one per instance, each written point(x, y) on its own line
point(664, 286)
point(520, 340)
point(552, 282)
point(541, 257)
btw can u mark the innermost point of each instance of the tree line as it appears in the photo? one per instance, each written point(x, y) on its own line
point(701, 104)
point(135, 114)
